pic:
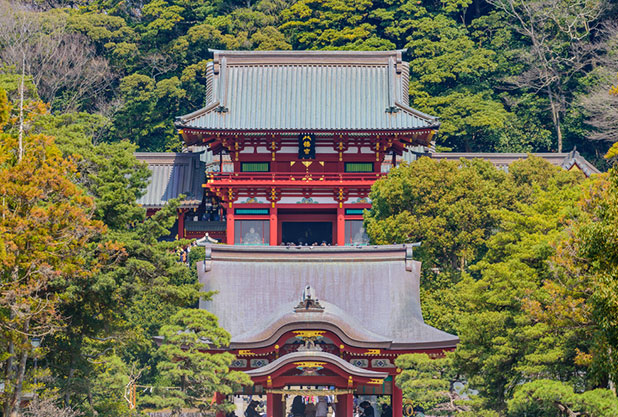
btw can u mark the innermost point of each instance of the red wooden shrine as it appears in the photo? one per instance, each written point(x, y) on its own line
point(327, 321)
point(304, 136)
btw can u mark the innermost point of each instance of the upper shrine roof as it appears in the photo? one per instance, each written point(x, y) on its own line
point(307, 90)
point(367, 295)
point(173, 174)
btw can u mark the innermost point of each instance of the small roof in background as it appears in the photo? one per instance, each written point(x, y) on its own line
point(370, 293)
point(173, 174)
point(568, 161)
point(307, 90)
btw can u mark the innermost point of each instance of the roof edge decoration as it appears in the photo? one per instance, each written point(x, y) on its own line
point(315, 356)
point(306, 57)
point(332, 318)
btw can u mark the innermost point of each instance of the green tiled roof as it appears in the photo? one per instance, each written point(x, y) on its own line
point(173, 174)
point(307, 90)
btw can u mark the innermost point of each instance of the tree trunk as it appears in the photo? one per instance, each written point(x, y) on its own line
point(16, 396)
point(555, 115)
point(67, 389)
point(21, 109)
point(610, 380)
point(9, 364)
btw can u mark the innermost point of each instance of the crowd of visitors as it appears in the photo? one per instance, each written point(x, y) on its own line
point(317, 407)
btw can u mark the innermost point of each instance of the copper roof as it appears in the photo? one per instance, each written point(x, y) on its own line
point(503, 160)
point(173, 174)
point(370, 293)
point(307, 90)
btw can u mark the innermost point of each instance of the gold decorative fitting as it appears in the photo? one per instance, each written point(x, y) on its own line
point(309, 364)
point(245, 352)
point(309, 333)
point(372, 352)
point(375, 381)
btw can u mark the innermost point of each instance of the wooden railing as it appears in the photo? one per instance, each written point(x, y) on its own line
point(291, 176)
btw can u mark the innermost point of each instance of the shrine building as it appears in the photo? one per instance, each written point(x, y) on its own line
point(320, 321)
point(284, 155)
point(294, 142)
point(300, 137)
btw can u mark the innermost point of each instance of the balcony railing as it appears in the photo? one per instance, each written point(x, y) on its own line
point(263, 177)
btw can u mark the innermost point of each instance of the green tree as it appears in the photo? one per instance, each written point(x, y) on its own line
point(430, 383)
point(116, 311)
point(144, 118)
point(557, 37)
point(46, 226)
point(502, 345)
point(189, 366)
point(547, 398)
point(449, 75)
point(446, 205)
point(587, 276)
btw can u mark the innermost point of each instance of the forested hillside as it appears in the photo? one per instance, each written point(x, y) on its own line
point(503, 75)
point(522, 265)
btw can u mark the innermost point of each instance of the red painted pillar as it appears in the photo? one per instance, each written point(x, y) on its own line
point(219, 398)
point(181, 224)
point(229, 227)
point(274, 241)
point(396, 400)
point(278, 405)
point(340, 227)
point(340, 407)
point(349, 405)
point(270, 404)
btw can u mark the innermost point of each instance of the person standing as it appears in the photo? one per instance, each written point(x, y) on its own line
point(298, 407)
point(321, 408)
point(251, 409)
point(367, 409)
point(310, 409)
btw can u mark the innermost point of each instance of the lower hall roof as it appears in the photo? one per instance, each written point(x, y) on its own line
point(370, 293)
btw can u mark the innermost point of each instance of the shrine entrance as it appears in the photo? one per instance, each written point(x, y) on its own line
point(305, 233)
point(306, 227)
point(312, 372)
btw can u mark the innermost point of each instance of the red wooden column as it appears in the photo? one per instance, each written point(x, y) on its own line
point(229, 227)
point(219, 398)
point(340, 241)
point(396, 400)
point(349, 405)
point(278, 405)
point(181, 223)
point(271, 405)
point(340, 406)
point(273, 227)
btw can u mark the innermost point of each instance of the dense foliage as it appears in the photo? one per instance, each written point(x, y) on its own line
point(502, 75)
point(534, 307)
point(521, 264)
point(84, 271)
